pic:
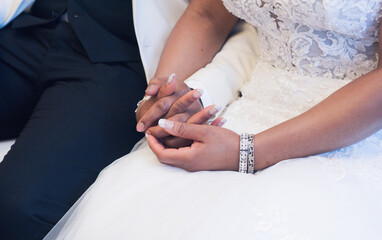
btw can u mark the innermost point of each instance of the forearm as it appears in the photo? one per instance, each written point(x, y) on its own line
point(195, 39)
point(349, 115)
point(380, 48)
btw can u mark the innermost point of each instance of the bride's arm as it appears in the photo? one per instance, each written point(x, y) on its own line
point(347, 116)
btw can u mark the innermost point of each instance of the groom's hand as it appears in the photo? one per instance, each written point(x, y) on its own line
point(186, 108)
point(169, 98)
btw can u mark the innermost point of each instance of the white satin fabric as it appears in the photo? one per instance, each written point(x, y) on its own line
point(336, 195)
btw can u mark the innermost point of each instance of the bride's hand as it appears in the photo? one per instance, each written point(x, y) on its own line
point(213, 148)
point(201, 117)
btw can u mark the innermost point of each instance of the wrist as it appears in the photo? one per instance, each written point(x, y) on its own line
point(270, 149)
point(247, 153)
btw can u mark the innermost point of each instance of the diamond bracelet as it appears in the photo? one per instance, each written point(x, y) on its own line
point(247, 153)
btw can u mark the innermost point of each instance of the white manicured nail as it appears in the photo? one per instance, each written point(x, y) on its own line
point(166, 123)
point(222, 122)
point(145, 98)
point(171, 78)
point(198, 93)
point(215, 110)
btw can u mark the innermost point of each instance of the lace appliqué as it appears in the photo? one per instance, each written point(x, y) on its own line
point(328, 38)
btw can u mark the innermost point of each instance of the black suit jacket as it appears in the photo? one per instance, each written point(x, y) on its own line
point(104, 27)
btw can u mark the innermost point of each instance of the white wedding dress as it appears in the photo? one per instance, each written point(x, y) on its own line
point(309, 48)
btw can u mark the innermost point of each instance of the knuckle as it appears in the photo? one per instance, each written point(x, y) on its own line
point(190, 168)
point(203, 117)
point(162, 106)
point(181, 129)
point(155, 80)
point(182, 117)
point(179, 107)
point(161, 158)
point(182, 91)
point(196, 106)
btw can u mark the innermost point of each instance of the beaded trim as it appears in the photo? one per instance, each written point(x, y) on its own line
point(251, 153)
point(247, 153)
point(243, 153)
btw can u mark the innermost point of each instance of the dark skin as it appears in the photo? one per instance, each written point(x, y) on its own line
point(196, 51)
point(181, 110)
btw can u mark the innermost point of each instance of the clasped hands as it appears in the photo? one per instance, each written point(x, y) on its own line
point(177, 129)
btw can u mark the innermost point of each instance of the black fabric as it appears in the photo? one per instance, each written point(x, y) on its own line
point(49, 9)
point(111, 14)
point(72, 116)
point(105, 28)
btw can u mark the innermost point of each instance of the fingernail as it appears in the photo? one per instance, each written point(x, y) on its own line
point(146, 135)
point(150, 88)
point(171, 78)
point(198, 93)
point(140, 127)
point(222, 122)
point(215, 110)
point(145, 98)
point(166, 123)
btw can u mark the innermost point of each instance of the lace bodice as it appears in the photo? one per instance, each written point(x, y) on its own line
point(328, 38)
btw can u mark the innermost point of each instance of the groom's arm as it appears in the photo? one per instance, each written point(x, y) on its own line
point(194, 41)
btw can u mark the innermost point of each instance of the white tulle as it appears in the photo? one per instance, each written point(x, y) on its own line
point(309, 49)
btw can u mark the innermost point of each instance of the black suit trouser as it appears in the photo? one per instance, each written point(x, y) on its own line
point(71, 118)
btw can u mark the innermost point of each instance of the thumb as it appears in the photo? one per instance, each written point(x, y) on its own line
point(184, 130)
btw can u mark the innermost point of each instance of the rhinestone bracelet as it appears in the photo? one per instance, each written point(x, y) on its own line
point(247, 153)
point(243, 164)
point(251, 154)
